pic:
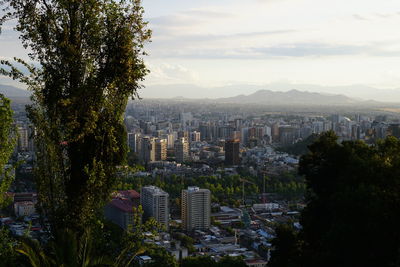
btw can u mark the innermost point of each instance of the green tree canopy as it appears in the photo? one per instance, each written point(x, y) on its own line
point(352, 216)
point(8, 140)
point(90, 55)
point(199, 261)
point(301, 147)
point(286, 248)
point(231, 262)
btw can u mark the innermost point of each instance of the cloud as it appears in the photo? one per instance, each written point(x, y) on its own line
point(310, 50)
point(188, 18)
point(359, 17)
point(386, 15)
point(293, 50)
point(170, 40)
point(165, 73)
point(375, 16)
point(208, 14)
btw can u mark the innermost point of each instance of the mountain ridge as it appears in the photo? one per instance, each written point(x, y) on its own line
point(12, 91)
point(192, 91)
point(292, 97)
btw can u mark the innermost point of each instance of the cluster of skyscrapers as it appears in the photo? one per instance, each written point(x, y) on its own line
point(150, 148)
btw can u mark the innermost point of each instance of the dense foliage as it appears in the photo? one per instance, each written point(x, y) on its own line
point(226, 189)
point(8, 245)
point(208, 261)
point(90, 55)
point(301, 147)
point(286, 252)
point(8, 255)
point(352, 215)
point(8, 140)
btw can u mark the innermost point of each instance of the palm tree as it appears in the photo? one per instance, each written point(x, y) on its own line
point(69, 250)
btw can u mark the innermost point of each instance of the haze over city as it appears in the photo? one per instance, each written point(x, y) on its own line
point(227, 48)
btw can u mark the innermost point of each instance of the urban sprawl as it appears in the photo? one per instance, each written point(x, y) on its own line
point(217, 179)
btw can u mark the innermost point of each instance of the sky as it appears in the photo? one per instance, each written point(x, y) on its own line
point(220, 42)
point(255, 42)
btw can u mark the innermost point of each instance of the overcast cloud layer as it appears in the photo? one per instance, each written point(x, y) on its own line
point(223, 42)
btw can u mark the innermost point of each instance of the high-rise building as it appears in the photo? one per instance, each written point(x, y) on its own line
point(133, 141)
point(275, 132)
point(288, 134)
point(23, 138)
point(161, 149)
point(208, 131)
point(196, 208)
point(225, 132)
point(204, 132)
point(171, 140)
point(186, 117)
point(155, 204)
point(238, 123)
point(244, 136)
point(236, 135)
point(182, 150)
point(184, 134)
point(147, 151)
point(232, 152)
point(195, 136)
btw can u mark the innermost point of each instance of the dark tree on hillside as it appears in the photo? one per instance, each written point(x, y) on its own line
point(353, 212)
point(301, 147)
point(202, 261)
point(90, 55)
point(231, 262)
point(286, 252)
point(199, 261)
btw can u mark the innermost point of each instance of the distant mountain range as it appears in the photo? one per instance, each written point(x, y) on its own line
point(355, 92)
point(328, 96)
point(292, 97)
point(12, 91)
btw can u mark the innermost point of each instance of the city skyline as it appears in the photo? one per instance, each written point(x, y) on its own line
point(216, 44)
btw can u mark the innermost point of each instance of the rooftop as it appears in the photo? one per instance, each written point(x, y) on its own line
point(193, 188)
point(125, 200)
point(154, 189)
point(129, 194)
point(125, 205)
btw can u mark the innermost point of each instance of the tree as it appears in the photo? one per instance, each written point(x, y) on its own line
point(301, 147)
point(186, 241)
point(160, 257)
point(199, 261)
point(67, 249)
point(286, 250)
point(352, 215)
point(8, 140)
point(209, 262)
point(231, 262)
point(8, 255)
point(90, 55)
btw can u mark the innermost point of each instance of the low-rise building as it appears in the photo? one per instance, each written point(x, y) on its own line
point(24, 208)
point(120, 209)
